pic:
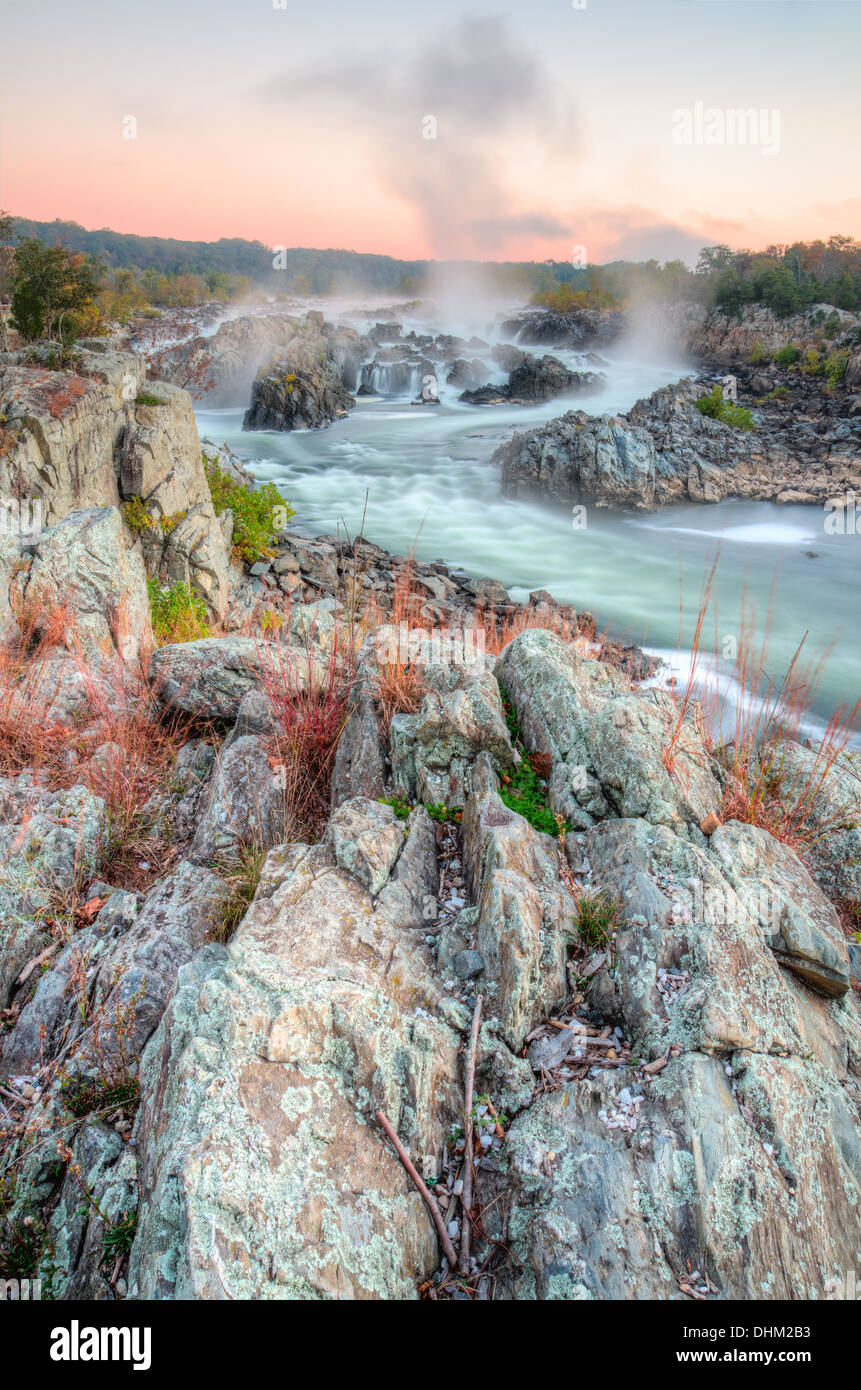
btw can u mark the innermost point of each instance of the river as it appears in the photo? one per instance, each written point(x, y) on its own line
point(424, 476)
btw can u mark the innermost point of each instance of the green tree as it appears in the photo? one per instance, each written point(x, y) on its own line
point(53, 292)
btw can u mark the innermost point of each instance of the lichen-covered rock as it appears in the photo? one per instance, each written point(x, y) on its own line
point(47, 841)
point(609, 746)
point(631, 740)
point(92, 437)
point(131, 984)
point(681, 915)
point(831, 798)
point(743, 1169)
point(321, 1010)
point(794, 915)
point(433, 750)
point(87, 568)
point(209, 678)
point(366, 839)
point(525, 916)
point(244, 805)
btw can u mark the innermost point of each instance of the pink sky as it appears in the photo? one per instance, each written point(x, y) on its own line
point(554, 125)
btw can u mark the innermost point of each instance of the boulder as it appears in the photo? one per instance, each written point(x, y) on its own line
point(87, 568)
point(460, 716)
point(292, 1038)
point(244, 807)
point(209, 678)
point(47, 840)
point(526, 916)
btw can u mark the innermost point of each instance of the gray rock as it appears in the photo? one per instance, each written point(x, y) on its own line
point(468, 964)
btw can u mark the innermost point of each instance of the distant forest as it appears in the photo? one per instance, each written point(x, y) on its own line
point(161, 270)
point(300, 270)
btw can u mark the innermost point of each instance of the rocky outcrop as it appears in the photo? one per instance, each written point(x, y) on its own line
point(46, 839)
point(304, 1033)
point(304, 386)
point(433, 750)
point(536, 379)
point(579, 328)
point(97, 433)
point(665, 451)
point(209, 678)
point(227, 361)
point(715, 336)
point(88, 571)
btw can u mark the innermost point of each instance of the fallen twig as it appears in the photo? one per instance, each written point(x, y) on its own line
point(468, 1171)
point(427, 1197)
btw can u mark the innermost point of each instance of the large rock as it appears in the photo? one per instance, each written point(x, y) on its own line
point(209, 678)
point(47, 840)
point(244, 807)
point(829, 795)
point(525, 917)
point(460, 716)
point(87, 437)
point(321, 1009)
point(535, 379)
point(611, 749)
point(665, 451)
point(88, 568)
point(304, 386)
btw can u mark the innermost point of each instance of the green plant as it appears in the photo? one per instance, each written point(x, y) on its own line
point(178, 613)
point(136, 516)
point(242, 877)
point(835, 367)
point(147, 398)
point(523, 790)
point(787, 356)
point(716, 408)
point(24, 1244)
point(759, 354)
point(597, 917)
point(778, 394)
point(119, 1235)
point(105, 1093)
point(258, 513)
point(168, 524)
point(812, 363)
point(402, 809)
point(441, 813)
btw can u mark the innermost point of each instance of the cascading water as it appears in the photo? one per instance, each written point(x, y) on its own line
point(423, 479)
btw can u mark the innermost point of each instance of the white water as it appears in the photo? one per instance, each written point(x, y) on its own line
point(424, 478)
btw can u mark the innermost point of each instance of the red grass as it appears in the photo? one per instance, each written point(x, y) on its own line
point(310, 695)
point(766, 715)
point(121, 718)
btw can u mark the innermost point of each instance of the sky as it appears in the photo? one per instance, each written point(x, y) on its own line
point(550, 128)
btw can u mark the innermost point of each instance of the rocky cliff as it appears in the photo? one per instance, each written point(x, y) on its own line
point(93, 432)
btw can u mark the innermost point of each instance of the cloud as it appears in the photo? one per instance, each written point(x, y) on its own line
point(491, 109)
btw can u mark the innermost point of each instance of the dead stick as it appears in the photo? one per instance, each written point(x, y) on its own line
point(427, 1197)
point(466, 1198)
